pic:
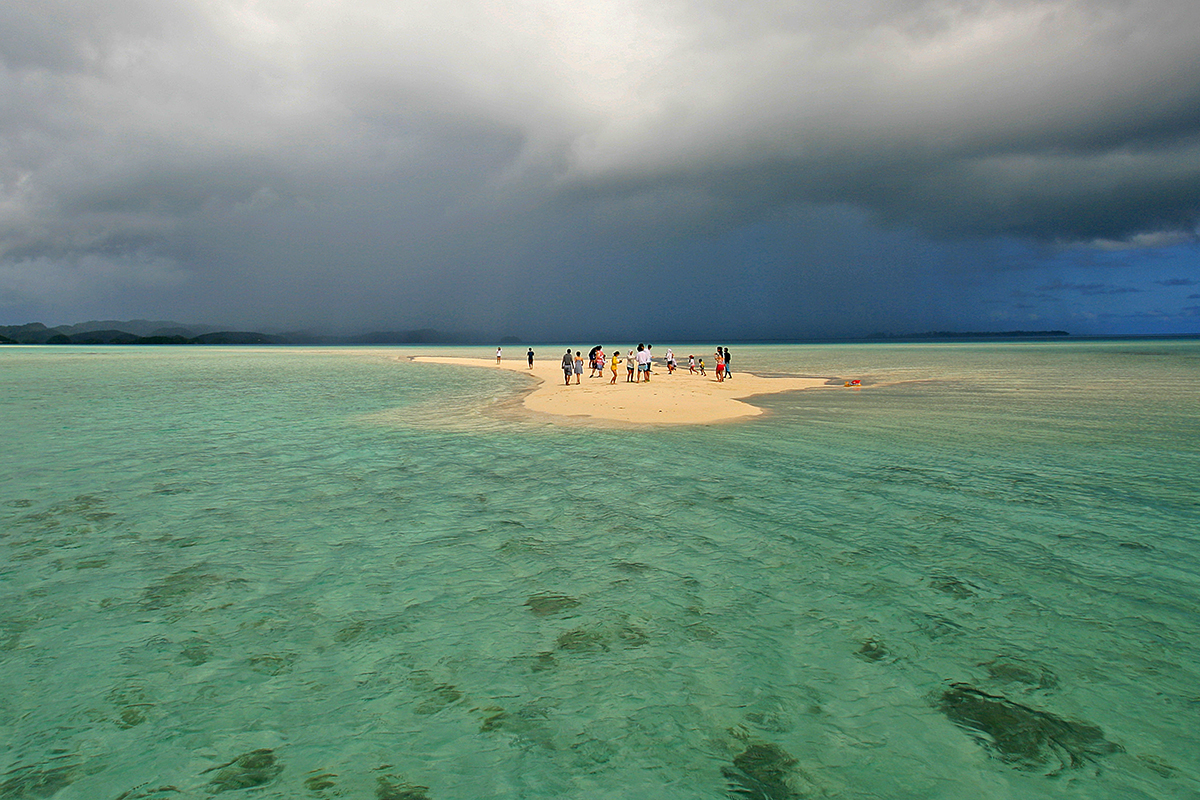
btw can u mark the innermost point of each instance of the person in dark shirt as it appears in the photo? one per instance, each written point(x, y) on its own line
point(568, 365)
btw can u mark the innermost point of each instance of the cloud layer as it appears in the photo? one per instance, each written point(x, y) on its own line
point(455, 163)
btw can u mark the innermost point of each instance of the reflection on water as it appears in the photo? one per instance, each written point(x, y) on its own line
point(293, 572)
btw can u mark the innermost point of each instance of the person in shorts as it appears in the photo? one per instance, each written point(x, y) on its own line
point(643, 359)
point(568, 366)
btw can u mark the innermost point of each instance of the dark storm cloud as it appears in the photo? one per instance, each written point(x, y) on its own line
point(1060, 121)
point(456, 162)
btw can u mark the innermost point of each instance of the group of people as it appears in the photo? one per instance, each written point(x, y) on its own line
point(722, 358)
point(637, 364)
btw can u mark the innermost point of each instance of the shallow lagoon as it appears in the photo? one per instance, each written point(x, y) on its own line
point(322, 573)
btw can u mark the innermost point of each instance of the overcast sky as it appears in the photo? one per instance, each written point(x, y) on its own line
point(551, 168)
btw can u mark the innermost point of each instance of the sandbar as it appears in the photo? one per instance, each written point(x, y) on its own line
point(680, 398)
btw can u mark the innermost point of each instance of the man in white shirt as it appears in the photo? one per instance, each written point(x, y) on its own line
point(643, 359)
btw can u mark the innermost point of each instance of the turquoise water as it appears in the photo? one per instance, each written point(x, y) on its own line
point(320, 573)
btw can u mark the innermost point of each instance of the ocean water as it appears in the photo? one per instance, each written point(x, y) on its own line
point(320, 573)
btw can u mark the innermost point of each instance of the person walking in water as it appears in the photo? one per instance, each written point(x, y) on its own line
point(568, 366)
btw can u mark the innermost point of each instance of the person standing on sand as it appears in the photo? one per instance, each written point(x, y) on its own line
point(498, 355)
point(643, 362)
point(727, 372)
point(616, 359)
point(530, 354)
point(720, 366)
point(578, 365)
point(630, 366)
point(568, 366)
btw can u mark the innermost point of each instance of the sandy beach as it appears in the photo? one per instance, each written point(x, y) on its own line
point(668, 399)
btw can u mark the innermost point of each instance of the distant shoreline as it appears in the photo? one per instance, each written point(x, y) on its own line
point(267, 340)
point(147, 333)
point(972, 335)
point(165, 333)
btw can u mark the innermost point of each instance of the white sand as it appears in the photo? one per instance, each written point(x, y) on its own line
point(669, 399)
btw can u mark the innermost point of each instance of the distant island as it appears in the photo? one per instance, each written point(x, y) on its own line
point(163, 332)
point(969, 335)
